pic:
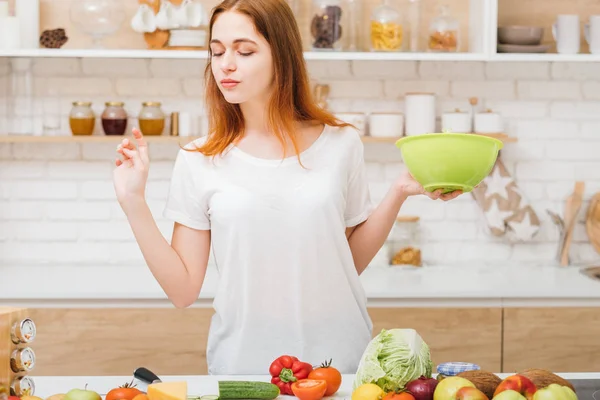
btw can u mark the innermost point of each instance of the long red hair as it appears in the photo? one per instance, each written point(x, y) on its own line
point(291, 99)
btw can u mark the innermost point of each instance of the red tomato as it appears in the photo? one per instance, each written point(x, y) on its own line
point(125, 392)
point(309, 389)
point(329, 374)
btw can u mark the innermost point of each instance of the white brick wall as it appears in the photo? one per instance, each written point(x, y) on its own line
point(57, 202)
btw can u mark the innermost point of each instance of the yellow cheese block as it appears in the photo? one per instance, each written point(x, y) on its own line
point(167, 391)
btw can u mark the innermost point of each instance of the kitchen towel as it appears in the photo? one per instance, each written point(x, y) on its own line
point(505, 209)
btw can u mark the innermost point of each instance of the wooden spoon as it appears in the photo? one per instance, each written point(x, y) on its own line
point(592, 222)
point(572, 209)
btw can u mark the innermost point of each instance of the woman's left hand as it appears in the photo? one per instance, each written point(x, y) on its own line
point(408, 186)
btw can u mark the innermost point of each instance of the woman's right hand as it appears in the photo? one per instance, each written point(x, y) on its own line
point(131, 172)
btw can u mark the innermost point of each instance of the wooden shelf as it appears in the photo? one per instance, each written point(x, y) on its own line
point(174, 139)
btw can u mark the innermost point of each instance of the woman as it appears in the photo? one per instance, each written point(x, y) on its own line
point(279, 190)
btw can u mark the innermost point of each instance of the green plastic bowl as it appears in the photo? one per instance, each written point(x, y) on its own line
point(449, 161)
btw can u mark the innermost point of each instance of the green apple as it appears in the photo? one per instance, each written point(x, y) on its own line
point(447, 388)
point(509, 395)
point(82, 394)
point(555, 391)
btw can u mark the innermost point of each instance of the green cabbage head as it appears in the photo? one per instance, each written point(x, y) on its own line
point(393, 358)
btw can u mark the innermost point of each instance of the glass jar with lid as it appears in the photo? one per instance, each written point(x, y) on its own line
point(386, 28)
point(444, 32)
point(327, 25)
point(82, 119)
point(114, 118)
point(405, 242)
point(151, 119)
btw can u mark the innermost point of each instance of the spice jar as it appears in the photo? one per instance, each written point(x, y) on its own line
point(114, 118)
point(82, 118)
point(404, 239)
point(444, 32)
point(326, 25)
point(386, 28)
point(151, 119)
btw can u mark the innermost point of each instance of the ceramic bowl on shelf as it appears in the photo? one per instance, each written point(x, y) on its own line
point(449, 161)
point(520, 35)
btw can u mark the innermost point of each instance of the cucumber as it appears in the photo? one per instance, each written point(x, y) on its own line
point(247, 390)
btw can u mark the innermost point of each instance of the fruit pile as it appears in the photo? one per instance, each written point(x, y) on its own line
point(530, 384)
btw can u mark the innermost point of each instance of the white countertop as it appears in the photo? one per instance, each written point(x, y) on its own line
point(411, 286)
point(197, 385)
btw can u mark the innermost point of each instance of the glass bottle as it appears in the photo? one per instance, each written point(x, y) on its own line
point(327, 27)
point(405, 242)
point(386, 28)
point(151, 119)
point(444, 32)
point(82, 118)
point(114, 118)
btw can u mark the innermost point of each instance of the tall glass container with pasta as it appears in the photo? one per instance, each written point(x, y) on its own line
point(386, 28)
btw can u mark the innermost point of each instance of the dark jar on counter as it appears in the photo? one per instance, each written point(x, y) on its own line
point(82, 118)
point(151, 119)
point(114, 118)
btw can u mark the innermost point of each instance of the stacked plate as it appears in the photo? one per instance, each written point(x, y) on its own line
point(521, 39)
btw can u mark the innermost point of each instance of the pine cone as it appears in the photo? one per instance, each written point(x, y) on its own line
point(53, 39)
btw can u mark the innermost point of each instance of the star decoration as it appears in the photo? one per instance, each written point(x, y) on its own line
point(497, 183)
point(496, 217)
point(524, 230)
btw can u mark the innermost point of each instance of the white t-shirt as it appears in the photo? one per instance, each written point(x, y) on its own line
point(287, 281)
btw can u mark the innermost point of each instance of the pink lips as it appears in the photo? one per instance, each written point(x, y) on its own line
point(229, 83)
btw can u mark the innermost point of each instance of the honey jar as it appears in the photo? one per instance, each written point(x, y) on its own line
point(82, 118)
point(151, 118)
point(114, 118)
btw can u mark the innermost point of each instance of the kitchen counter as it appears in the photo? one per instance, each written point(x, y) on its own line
point(585, 383)
point(428, 286)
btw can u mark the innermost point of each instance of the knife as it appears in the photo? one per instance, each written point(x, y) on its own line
point(146, 377)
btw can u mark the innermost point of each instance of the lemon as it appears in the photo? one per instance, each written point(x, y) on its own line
point(368, 391)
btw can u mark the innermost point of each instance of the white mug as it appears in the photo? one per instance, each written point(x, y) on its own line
point(591, 31)
point(566, 34)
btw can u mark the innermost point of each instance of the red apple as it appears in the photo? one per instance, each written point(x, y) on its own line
point(470, 393)
point(519, 383)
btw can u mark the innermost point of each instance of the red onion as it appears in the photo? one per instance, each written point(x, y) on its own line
point(422, 388)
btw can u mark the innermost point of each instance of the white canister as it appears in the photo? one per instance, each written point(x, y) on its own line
point(419, 109)
point(354, 118)
point(390, 124)
point(488, 122)
point(28, 13)
point(10, 33)
point(457, 121)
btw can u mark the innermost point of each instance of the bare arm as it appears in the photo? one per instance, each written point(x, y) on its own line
point(367, 238)
point(179, 267)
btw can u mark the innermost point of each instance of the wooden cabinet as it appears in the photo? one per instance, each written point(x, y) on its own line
point(558, 339)
point(115, 341)
point(453, 334)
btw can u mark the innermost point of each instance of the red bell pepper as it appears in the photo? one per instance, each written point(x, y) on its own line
point(286, 370)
